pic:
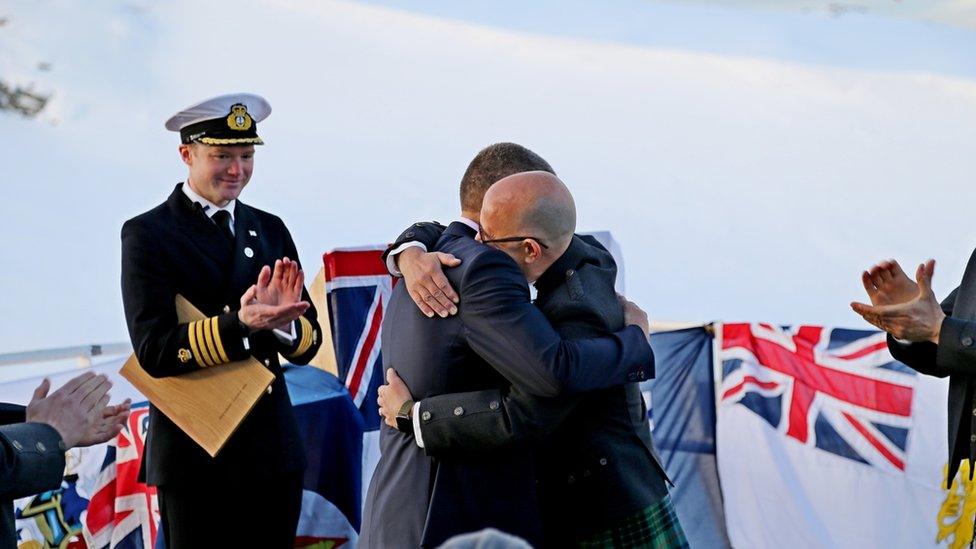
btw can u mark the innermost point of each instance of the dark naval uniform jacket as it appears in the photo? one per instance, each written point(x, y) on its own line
point(31, 462)
point(954, 357)
point(497, 339)
point(176, 249)
point(595, 461)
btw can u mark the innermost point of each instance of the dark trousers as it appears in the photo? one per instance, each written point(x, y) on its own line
point(249, 513)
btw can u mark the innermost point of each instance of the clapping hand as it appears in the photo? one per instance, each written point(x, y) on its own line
point(905, 309)
point(276, 300)
point(78, 410)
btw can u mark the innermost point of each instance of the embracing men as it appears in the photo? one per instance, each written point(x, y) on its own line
point(528, 417)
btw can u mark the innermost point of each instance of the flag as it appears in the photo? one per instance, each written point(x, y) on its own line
point(824, 440)
point(123, 512)
point(681, 404)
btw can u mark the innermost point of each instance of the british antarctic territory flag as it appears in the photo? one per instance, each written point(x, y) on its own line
point(823, 440)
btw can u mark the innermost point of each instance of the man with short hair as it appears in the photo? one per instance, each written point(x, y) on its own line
point(205, 244)
point(600, 482)
point(496, 339)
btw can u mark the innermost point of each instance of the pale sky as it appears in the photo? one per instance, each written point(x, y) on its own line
point(750, 162)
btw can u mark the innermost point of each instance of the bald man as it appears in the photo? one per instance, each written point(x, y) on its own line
point(600, 482)
point(496, 339)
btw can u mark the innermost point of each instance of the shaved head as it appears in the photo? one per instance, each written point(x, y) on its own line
point(531, 204)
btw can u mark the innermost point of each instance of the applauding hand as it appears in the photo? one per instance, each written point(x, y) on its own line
point(276, 300)
point(904, 309)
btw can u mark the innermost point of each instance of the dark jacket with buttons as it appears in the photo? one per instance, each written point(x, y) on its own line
point(955, 357)
point(31, 462)
point(596, 463)
point(176, 249)
point(498, 338)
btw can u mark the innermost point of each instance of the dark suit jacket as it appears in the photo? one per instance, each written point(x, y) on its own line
point(596, 463)
point(175, 249)
point(498, 338)
point(955, 357)
point(31, 462)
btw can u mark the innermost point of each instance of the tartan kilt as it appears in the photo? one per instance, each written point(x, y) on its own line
point(656, 527)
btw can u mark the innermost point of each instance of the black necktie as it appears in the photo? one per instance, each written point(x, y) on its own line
point(222, 219)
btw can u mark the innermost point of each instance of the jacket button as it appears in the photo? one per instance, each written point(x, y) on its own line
point(226, 308)
point(458, 411)
point(967, 341)
point(40, 447)
point(425, 416)
point(17, 445)
point(571, 479)
point(603, 461)
point(270, 387)
point(570, 273)
point(493, 405)
point(586, 473)
point(972, 438)
point(267, 362)
point(974, 411)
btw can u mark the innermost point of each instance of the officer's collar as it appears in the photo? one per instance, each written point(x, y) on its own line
point(208, 207)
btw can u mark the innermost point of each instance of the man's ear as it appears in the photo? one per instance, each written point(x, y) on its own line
point(186, 154)
point(533, 252)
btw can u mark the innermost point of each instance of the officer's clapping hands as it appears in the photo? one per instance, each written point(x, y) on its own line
point(276, 299)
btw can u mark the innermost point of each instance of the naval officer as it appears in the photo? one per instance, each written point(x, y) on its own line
point(239, 266)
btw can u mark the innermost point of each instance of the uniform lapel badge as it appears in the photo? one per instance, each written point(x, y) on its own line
point(252, 232)
point(184, 355)
point(248, 252)
point(238, 119)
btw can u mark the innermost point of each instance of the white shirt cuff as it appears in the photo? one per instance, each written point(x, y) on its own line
point(391, 265)
point(286, 337)
point(417, 435)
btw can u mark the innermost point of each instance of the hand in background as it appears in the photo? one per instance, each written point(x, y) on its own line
point(918, 319)
point(73, 409)
point(887, 284)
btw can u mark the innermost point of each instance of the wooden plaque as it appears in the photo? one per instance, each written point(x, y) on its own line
point(208, 404)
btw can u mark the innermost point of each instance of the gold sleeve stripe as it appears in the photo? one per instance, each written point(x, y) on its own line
point(192, 334)
point(217, 343)
point(204, 352)
point(208, 337)
point(306, 342)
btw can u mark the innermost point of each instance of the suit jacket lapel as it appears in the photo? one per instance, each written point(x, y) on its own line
point(200, 230)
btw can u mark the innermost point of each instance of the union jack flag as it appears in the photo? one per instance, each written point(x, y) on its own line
point(123, 512)
point(833, 389)
point(358, 286)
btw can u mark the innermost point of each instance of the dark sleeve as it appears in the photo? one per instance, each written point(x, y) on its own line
point(425, 232)
point(308, 333)
point(503, 327)
point(31, 460)
point(164, 345)
point(489, 419)
point(12, 413)
point(949, 356)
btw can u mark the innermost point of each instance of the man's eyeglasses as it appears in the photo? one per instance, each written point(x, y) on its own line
point(512, 239)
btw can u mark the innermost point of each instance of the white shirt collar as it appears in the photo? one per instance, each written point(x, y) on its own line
point(470, 223)
point(209, 207)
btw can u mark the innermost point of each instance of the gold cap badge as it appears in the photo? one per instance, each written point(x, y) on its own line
point(239, 119)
